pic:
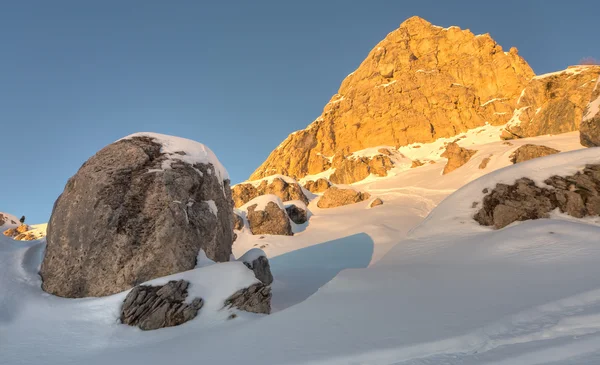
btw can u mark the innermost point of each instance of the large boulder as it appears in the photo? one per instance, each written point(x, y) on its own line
point(267, 215)
point(141, 208)
point(589, 129)
point(284, 187)
point(553, 103)
point(577, 195)
point(457, 156)
point(153, 307)
point(317, 186)
point(336, 197)
point(256, 260)
point(529, 152)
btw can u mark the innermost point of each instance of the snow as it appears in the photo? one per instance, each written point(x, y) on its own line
point(262, 201)
point(516, 118)
point(492, 101)
point(202, 260)
point(213, 207)
point(571, 71)
point(387, 84)
point(269, 180)
point(414, 281)
point(195, 152)
point(252, 255)
point(594, 106)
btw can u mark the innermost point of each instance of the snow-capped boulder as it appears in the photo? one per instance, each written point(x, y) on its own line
point(284, 187)
point(141, 208)
point(530, 151)
point(317, 186)
point(297, 211)
point(336, 197)
point(457, 156)
point(153, 307)
point(577, 195)
point(589, 129)
point(267, 215)
point(256, 260)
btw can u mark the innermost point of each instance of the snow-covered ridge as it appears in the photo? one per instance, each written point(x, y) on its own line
point(262, 201)
point(572, 70)
point(195, 152)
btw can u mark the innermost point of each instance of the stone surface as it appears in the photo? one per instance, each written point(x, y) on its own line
point(484, 163)
point(259, 264)
point(376, 202)
point(133, 213)
point(590, 124)
point(296, 214)
point(6, 219)
point(317, 186)
point(351, 170)
point(238, 222)
point(577, 195)
point(530, 151)
point(416, 163)
point(285, 190)
point(419, 84)
point(256, 299)
point(336, 197)
point(271, 219)
point(553, 103)
point(154, 307)
point(457, 156)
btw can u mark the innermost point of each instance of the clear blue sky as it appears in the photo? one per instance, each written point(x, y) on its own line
point(237, 76)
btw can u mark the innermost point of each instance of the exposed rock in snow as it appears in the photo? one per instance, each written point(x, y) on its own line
point(484, 163)
point(590, 125)
point(130, 225)
point(297, 213)
point(336, 197)
point(531, 151)
point(376, 202)
point(457, 156)
point(284, 187)
point(238, 222)
point(8, 220)
point(255, 299)
point(256, 260)
point(267, 215)
point(318, 185)
point(577, 195)
point(153, 307)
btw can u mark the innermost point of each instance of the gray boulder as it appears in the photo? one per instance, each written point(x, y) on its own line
point(154, 307)
point(530, 151)
point(256, 260)
point(268, 216)
point(139, 209)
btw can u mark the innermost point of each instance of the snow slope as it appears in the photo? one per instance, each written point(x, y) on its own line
point(362, 286)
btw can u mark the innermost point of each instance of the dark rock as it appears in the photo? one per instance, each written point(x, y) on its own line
point(133, 213)
point(530, 151)
point(256, 299)
point(269, 220)
point(296, 214)
point(238, 222)
point(257, 261)
point(577, 195)
point(153, 307)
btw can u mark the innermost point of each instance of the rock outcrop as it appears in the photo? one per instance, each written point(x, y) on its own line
point(298, 213)
point(141, 208)
point(457, 156)
point(590, 124)
point(256, 260)
point(577, 195)
point(421, 83)
point(375, 202)
point(256, 299)
point(238, 222)
point(484, 163)
point(352, 169)
point(7, 219)
point(153, 307)
point(317, 186)
point(267, 215)
point(282, 186)
point(336, 197)
point(530, 151)
point(553, 103)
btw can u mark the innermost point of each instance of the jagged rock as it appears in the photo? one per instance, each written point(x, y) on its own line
point(376, 202)
point(238, 222)
point(419, 84)
point(336, 197)
point(283, 187)
point(296, 214)
point(14, 232)
point(268, 217)
point(416, 163)
point(553, 103)
point(256, 299)
point(153, 307)
point(577, 195)
point(457, 156)
point(139, 209)
point(317, 186)
point(484, 163)
point(256, 260)
point(530, 151)
point(351, 169)
point(590, 124)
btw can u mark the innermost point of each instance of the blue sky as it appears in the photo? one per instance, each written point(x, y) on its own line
point(238, 76)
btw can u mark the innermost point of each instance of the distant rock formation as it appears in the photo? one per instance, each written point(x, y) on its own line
point(457, 156)
point(282, 186)
point(530, 151)
point(141, 208)
point(590, 124)
point(577, 195)
point(421, 83)
point(267, 215)
point(317, 186)
point(553, 103)
point(336, 197)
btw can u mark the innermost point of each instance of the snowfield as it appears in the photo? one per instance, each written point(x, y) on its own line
point(413, 281)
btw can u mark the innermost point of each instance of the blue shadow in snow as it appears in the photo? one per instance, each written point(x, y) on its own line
point(299, 274)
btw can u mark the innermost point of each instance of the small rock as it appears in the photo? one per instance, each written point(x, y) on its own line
point(296, 214)
point(416, 163)
point(529, 152)
point(457, 156)
point(335, 197)
point(484, 163)
point(376, 202)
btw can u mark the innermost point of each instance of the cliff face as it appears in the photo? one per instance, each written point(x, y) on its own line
point(553, 103)
point(590, 124)
point(421, 83)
